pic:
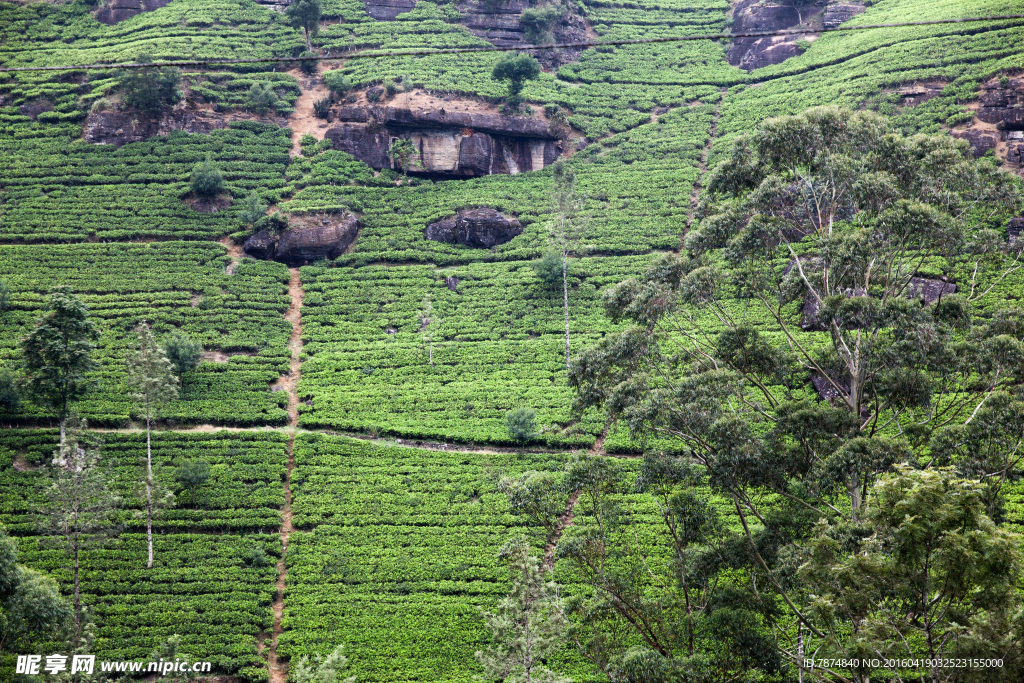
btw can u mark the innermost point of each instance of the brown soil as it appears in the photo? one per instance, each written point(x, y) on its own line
point(278, 670)
point(235, 252)
point(303, 121)
point(209, 204)
point(564, 521)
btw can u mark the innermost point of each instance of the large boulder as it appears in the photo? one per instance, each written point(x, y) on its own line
point(261, 245)
point(839, 13)
point(387, 10)
point(301, 245)
point(479, 228)
point(979, 141)
point(116, 11)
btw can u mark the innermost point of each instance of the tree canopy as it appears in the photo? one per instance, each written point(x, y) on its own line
point(515, 70)
point(150, 88)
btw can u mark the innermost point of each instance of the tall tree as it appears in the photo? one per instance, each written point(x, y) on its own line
point(515, 70)
point(528, 626)
point(10, 399)
point(149, 88)
point(31, 606)
point(305, 14)
point(152, 384)
point(924, 575)
point(568, 229)
point(819, 224)
point(57, 355)
point(80, 499)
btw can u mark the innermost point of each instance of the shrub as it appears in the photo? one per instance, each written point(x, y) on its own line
point(391, 88)
point(549, 268)
point(337, 82)
point(253, 209)
point(308, 66)
point(5, 296)
point(537, 23)
point(374, 94)
point(515, 70)
point(261, 97)
point(207, 179)
point(149, 88)
point(1004, 82)
point(521, 424)
point(274, 223)
point(322, 107)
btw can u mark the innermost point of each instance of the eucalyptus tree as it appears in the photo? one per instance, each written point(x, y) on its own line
point(805, 341)
point(152, 383)
point(31, 606)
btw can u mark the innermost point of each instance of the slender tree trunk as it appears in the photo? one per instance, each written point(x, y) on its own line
point(309, 45)
point(800, 652)
point(565, 297)
point(149, 490)
point(77, 602)
point(62, 422)
point(855, 494)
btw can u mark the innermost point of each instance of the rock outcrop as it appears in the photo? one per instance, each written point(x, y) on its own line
point(979, 141)
point(928, 289)
point(447, 144)
point(305, 243)
point(115, 11)
point(839, 13)
point(1002, 105)
point(121, 126)
point(479, 228)
point(1013, 229)
point(34, 109)
point(387, 10)
point(754, 53)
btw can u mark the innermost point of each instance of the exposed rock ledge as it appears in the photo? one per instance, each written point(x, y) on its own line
point(116, 11)
point(306, 242)
point(121, 126)
point(480, 228)
point(453, 144)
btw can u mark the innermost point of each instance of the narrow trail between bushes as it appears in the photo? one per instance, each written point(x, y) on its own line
point(702, 170)
point(565, 520)
point(303, 121)
point(290, 382)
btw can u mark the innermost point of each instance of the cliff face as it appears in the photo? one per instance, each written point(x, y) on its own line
point(452, 144)
point(119, 127)
point(750, 15)
point(115, 11)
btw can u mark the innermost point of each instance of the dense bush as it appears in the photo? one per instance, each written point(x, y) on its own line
point(150, 88)
point(207, 180)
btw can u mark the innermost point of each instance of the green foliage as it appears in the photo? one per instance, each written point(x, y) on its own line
point(537, 23)
point(305, 14)
point(327, 669)
point(337, 82)
point(10, 398)
point(192, 475)
point(322, 107)
point(308, 66)
point(261, 97)
point(5, 296)
point(521, 424)
point(253, 208)
point(515, 70)
point(925, 574)
point(274, 223)
point(183, 353)
point(549, 268)
point(31, 606)
point(57, 354)
point(401, 150)
point(207, 179)
point(150, 373)
point(528, 626)
point(149, 88)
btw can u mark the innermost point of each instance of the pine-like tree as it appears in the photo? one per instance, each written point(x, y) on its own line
point(528, 626)
point(80, 499)
point(152, 383)
point(57, 355)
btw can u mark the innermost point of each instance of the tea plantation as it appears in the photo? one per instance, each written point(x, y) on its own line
point(350, 417)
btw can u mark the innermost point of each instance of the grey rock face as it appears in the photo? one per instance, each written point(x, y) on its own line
point(299, 246)
point(34, 110)
point(387, 10)
point(115, 11)
point(479, 228)
point(261, 245)
point(453, 144)
point(1013, 229)
point(839, 13)
point(754, 53)
point(928, 289)
point(121, 126)
point(979, 141)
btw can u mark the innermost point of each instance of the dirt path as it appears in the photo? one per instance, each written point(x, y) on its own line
point(702, 168)
point(303, 121)
point(290, 382)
